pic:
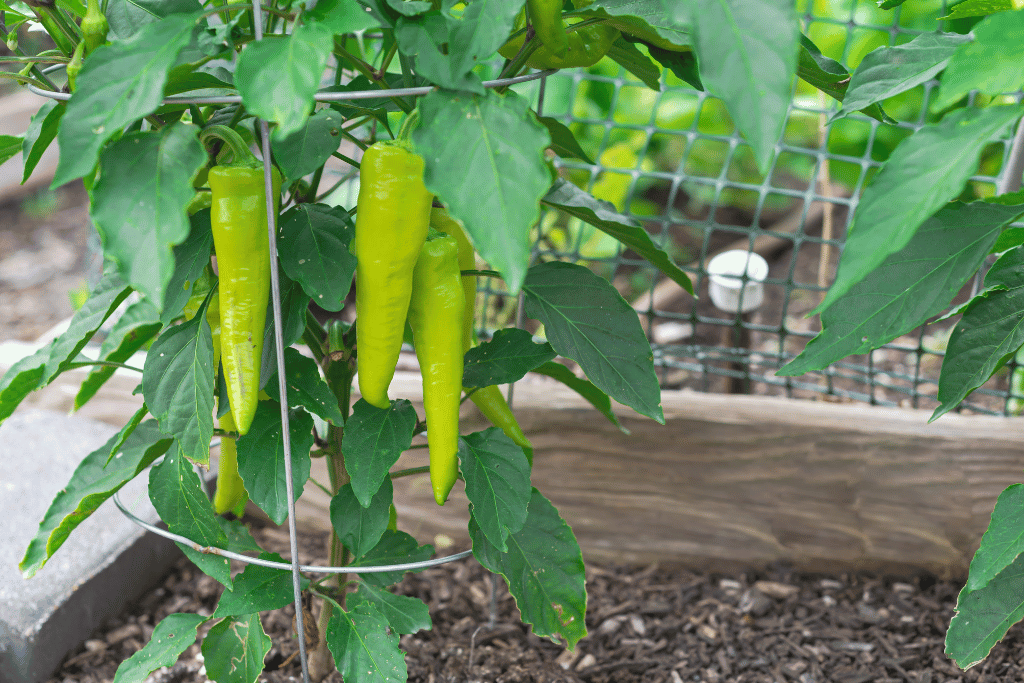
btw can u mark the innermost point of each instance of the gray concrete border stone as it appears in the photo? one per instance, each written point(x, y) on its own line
point(106, 563)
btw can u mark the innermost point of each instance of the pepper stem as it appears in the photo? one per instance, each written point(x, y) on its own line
point(243, 155)
point(410, 123)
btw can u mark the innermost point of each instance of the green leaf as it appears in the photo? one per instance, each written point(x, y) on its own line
point(101, 304)
point(279, 75)
point(358, 527)
point(373, 441)
point(544, 571)
point(309, 148)
point(988, 334)
point(410, 8)
point(314, 241)
point(261, 458)
point(978, 8)
point(139, 203)
point(120, 83)
point(447, 48)
point(395, 547)
point(990, 63)
point(683, 63)
point(830, 77)
point(497, 476)
point(747, 51)
point(925, 171)
point(1006, 272)
point(909, 286)
point(20, 380)
point(190, 260)
point(126, 17)
point(647, 20)
point(497, 145)
point(41, 132)
point(177, 383)
point(626, 55)
point(91, 484)
point(9, 147)
point(889, 71)
point(171, 637)
point(240, 539)
point(294, 305)
point(563, 142)
point(179, 497)
point(983, 616)
point(306, 388)
point(341, 16)
point(1003, 541)
point(364, 648)
point(602, 215)
point(404, 614)
point(587, 320)
point(133, 330)
point(584, 388)
point(127, 430)
point(258, 589)
point(506, 358)
point(234, 649)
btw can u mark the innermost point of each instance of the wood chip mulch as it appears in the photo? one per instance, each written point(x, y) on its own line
point(646, 624)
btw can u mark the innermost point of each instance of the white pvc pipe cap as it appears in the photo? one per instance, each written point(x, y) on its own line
point(726, 284)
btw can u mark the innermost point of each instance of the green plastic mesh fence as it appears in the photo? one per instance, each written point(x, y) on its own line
point(674, 161)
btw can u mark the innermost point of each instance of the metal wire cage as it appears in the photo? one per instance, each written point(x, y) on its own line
point(674, 161)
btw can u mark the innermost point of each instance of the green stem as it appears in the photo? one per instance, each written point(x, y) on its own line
point(243, 155)
point(367, 70)
point(409, 124)
point(348, 160)
point(103, 363)
point(410, 471)
point(41, 79)
point(345, 178)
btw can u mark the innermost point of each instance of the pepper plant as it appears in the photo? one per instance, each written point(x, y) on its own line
point(167, 100)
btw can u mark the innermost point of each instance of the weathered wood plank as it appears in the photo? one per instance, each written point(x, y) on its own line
point(748, 481)
point(729, 481)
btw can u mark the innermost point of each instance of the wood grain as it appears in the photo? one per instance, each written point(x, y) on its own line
point(727, 482)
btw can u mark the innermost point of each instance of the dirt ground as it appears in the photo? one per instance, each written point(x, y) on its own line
point(646, 624)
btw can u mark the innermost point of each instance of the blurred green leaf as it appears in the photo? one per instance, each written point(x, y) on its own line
point(626, 55)
point(889, 71)
point(747, 51)
point(909, 286)
point(978, 8)
point(506, 358)
point(990, 63)
point(924, 172)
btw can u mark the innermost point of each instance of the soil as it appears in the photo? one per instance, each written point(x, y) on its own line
point(646, 624)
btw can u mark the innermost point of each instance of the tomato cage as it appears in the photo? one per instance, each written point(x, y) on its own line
point(672, 160)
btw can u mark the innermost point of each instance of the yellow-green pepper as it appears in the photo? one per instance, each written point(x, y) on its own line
point(436, 313)
point(391, 226)
point(489, 400)
point(238, 216)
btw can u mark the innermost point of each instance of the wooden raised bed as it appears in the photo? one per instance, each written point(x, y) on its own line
point(729, 481)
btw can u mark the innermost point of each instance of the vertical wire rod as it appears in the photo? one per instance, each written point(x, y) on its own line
point(519, 299)
point(275, 291)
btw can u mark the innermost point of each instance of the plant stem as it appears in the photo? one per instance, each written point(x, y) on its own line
point(339, 373)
